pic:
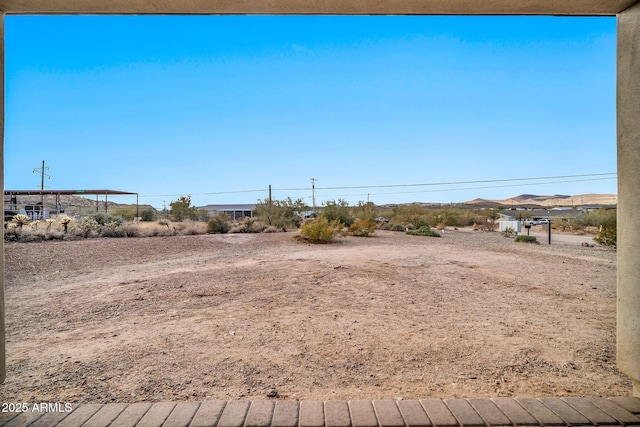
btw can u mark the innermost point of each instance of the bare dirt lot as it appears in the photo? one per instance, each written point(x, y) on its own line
point(240, 316)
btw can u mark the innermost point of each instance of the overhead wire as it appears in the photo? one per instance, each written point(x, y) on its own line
point(602, 176)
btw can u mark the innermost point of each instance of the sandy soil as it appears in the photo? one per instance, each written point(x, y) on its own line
point(242, 316)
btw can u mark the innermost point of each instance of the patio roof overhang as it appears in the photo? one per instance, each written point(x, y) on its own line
point(329, 7)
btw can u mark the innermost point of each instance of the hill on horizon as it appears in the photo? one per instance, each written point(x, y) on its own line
point(559, 200)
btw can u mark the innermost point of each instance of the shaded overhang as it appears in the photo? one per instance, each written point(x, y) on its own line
point(322, 7)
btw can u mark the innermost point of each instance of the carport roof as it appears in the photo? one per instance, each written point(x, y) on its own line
point(329, 7)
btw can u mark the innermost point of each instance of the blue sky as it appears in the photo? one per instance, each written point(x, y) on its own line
point(213, 106)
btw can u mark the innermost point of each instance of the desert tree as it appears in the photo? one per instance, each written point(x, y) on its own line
point(280, 213)
point(338, 211)
point(366, 211)
point(181, 209)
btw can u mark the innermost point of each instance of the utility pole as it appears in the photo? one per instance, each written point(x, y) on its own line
point(42, 174)
point(269, 195)
point(313, 192)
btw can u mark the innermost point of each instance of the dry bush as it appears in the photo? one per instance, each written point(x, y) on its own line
point(362, 227)
point(248, 225)
point(319, 230)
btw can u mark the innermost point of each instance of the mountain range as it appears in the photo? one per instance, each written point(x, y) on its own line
point(551, 201)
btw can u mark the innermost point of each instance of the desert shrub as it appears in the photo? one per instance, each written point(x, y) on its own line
point(338, 211)
point(218, 225)
point(181, 209)
point(444, 217)
point(103, 218)
point(425, 230)
point(190, 228)
point(89, 227)
point(17, 234)
point(270, 229)
point(397, 227)
point(602, 220)
point(112, 229)
point(54, 235)
point(409, 214)
point(509, 232)
point(11, 234)
point(203, 215)
point(147, 215)
point(597, 218)
point(362, 227)
point(280, 213)
point(65, 221)
point(124, 212)
point(130, 230)
point(487, 225)
point(152, 229)
point(366, 211)
point(248, 225)
point(419, 223)
point(320, 230)
point(526, 239)
point(20, 220)
point(607, 236)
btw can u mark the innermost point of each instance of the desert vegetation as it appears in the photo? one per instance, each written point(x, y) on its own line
point(526, 239)
point(334, 218)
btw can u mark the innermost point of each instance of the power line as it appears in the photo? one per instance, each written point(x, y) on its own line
point(470, 188)
point(464, 182)
point(431, 184)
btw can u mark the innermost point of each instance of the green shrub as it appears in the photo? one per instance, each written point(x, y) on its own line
point(319, 230)
point(397, 227)
point(450, 216)
point(601, 217)
point(366, 211)
point(124, 211)
point(103, 218)
point(181, 209)
point(607, 236)
point(338, 211)
point(526, 239)
point(420, 223)
point(218, 225)
point(147, 215)
point(425, 230)
point(363, 227)
point(280, 213)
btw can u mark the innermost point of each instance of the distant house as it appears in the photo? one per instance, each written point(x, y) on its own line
point(553, 214)
point(232, 211)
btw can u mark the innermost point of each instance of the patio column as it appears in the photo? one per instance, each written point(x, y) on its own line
point(628, 122)
point(3, 370)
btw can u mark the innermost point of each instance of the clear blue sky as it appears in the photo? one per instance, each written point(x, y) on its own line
point(199, 105)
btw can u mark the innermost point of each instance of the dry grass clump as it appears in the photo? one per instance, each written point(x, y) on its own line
point(248, 225)
point(65, 228)
point(95, 226)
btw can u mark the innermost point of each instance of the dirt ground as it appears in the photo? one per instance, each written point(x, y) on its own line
point(248, 316)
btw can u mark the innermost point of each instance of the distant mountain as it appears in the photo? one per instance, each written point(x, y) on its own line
point(555, 200)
